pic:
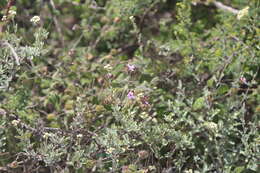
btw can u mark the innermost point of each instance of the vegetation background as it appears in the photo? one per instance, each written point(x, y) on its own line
point(131, 86)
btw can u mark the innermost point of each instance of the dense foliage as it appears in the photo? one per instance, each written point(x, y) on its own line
point(131, 86)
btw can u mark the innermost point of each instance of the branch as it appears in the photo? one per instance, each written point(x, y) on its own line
point(225, 7)
point(56, 22)
point(16, 57)
point(220, 6)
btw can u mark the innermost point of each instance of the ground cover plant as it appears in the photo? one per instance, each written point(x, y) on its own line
point(140, 86)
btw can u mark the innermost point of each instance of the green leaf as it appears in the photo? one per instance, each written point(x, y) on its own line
point(199, 103)
point(239, 169)
point(223, 89)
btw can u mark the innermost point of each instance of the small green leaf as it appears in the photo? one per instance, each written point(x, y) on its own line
point(223, 89)
point(199, 103)
point(210, 82)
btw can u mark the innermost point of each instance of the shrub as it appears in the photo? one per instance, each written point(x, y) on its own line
point(130, 86)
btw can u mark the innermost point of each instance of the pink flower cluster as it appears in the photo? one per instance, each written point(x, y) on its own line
point(143, 100)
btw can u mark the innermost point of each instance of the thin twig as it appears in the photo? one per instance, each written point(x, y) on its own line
point(56, 22)
point(16, 57)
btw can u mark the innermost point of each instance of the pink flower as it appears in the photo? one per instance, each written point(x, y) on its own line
point(130, 67)
point(243, 80)
point(131, 95)
point(144, 100)
point(109, 76)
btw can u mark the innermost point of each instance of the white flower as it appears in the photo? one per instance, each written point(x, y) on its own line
point(110, 150)
point(211, 125)
point(140, 95)
point(12, 13)
point(47, 135)
point(108, 67)
point(35, 19)
point(4, 18)
point(15, 122)
point(242, 13)
point(131, 18)
point(79, 136)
